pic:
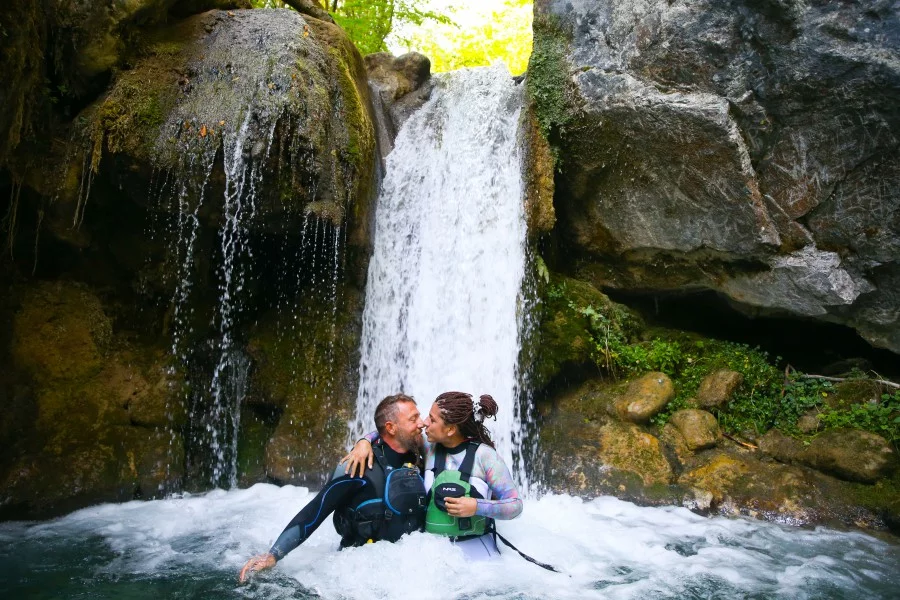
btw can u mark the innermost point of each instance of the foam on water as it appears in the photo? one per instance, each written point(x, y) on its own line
point(607, 549)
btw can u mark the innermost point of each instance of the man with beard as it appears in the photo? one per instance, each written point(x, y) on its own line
point(385, 503)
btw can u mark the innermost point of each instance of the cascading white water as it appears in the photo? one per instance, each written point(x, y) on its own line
point(446, 274)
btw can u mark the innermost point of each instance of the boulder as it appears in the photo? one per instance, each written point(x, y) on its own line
point(402, 84)
point(809, 423)
point(698, 428)
point(626, 448)
point(645, 397)
point(717, 388)
point(589, 459)
point(734, 146)
point(851, 454)
point(780, 447)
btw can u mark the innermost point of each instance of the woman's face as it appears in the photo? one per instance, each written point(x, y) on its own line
point(436, 430)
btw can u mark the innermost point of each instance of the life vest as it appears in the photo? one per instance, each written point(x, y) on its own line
point(397, 508)
point(453, 484)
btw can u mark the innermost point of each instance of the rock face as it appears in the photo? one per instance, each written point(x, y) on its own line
point(99, 420)
point(73, 44)
point(211, 203)
point(745, 147)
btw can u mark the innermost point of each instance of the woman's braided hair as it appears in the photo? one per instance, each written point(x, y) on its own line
point(458, 409)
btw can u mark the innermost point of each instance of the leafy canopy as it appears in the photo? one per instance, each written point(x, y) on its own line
point(370, 22)
point(492, 31)
point(452, 33)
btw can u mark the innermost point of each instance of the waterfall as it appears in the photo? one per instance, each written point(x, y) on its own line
point(240, 173)
point(445, 279)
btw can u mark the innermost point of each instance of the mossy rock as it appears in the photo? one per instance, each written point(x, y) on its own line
point(589, 459)
point(594, 400)
point(645, 397)
point(854, 391)
point(537, 174)
point(114, 464)
point(566, 337)
point(60, 332)
point(731, 482)
point(310, 380)
point(103, 413)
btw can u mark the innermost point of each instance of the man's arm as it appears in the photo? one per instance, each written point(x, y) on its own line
point(333, 495)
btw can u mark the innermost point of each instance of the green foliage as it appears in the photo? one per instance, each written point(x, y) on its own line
point(369, 22)
point(548, 76)
point(881, 417)
point(766, 398)
point(502, 34)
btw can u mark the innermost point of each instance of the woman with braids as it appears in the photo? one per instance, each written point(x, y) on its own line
point(469, 483)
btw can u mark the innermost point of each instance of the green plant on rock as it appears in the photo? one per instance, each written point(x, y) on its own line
point(881, 417)
point(752, 404)
point(549, 86)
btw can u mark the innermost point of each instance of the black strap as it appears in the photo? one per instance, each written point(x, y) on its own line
point(468, 462)
point(525, 556)
point(440, 460)
point(465, 468)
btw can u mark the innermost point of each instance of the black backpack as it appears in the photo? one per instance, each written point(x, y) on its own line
point(397, 508)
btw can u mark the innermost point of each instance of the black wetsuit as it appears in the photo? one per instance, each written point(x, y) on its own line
point(341, 491)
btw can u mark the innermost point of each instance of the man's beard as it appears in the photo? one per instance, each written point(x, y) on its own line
point(412, 443)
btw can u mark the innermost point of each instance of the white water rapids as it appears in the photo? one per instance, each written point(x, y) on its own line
point(193, 547)
point(449, 259)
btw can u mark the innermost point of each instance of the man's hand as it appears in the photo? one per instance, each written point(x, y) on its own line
point(461, 507)
point(257, 563)
point(359, 457)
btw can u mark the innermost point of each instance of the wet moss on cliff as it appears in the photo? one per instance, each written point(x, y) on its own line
point(550, 87)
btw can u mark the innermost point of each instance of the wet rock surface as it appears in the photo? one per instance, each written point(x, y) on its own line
point(97, 413)
point(588, 452)
point(742, 147)
point(698, 428)
point(849, 454)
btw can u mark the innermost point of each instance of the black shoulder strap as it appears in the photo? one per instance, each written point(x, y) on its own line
point(440, 460)
point(468, 462)
point(378, 473)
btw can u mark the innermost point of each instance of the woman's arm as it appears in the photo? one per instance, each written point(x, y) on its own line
point(505, 503)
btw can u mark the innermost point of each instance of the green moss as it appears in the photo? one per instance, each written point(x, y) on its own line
point(549, 85)
point(574, 317)
point(256, 429)
point(129, 117)
point(23, 35)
